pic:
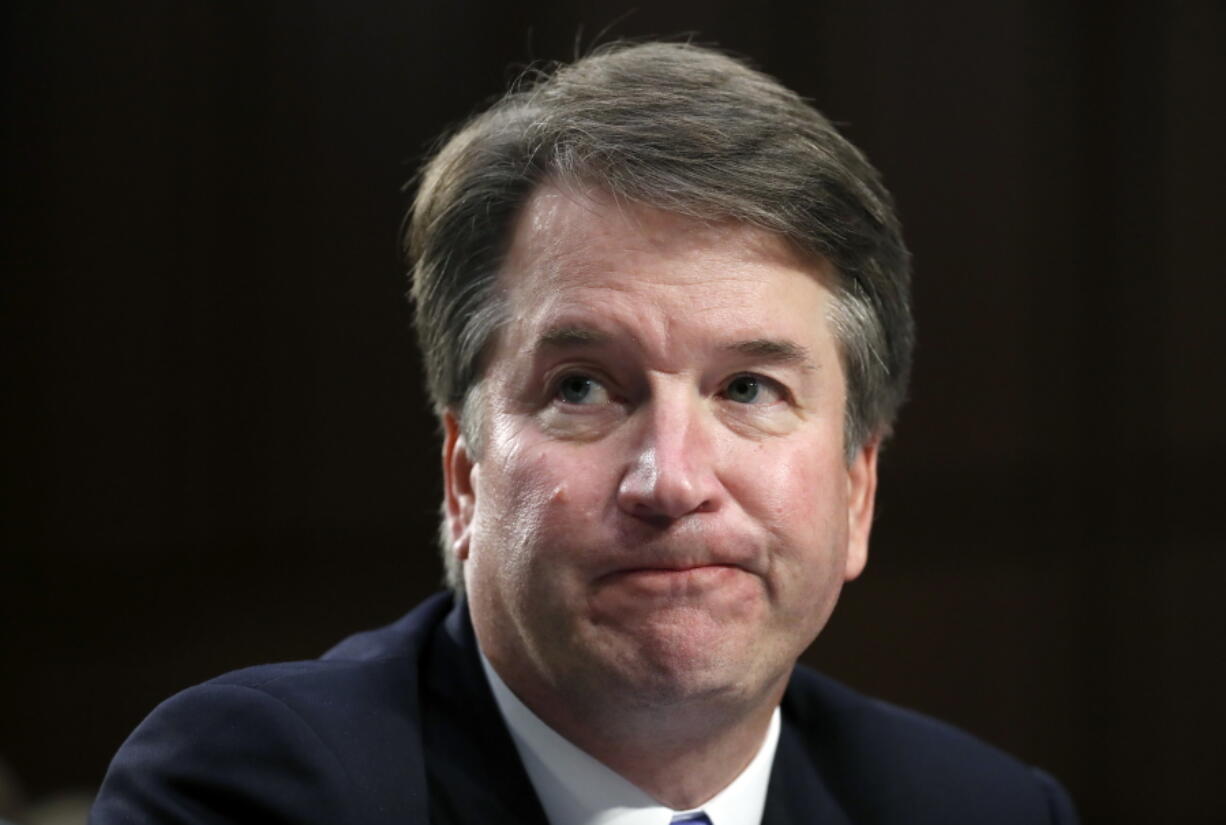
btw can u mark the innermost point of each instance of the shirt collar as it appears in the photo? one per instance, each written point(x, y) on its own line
point(577, 789)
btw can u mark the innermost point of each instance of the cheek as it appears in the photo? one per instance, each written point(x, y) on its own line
point(534, 502)
point(793, 473)
point(803, 495)
point(808, 568)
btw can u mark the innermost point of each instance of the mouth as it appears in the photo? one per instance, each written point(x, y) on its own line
point(675, 568)
point(675, 579)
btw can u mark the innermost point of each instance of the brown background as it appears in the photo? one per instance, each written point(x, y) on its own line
point(218, 452)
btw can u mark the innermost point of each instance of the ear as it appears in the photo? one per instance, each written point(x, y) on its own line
point(861, 493)
point(459, 498)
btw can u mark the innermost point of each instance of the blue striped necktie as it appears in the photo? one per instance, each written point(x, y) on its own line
point(691, 819)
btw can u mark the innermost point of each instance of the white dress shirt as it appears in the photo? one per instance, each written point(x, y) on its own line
point(577, 789)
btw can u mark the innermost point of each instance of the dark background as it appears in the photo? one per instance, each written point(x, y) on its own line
point(218, 451)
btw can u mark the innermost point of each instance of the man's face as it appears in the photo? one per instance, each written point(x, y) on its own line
point(660, 508)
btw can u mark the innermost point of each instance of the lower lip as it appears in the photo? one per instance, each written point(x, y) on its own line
point(671, 581)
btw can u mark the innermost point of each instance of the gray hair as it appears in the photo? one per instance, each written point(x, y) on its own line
point(678, 127)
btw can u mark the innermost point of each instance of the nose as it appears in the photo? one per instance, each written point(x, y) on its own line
point(671, 471)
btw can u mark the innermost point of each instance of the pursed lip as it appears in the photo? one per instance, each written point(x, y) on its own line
point(648, 584)
point(685, 551)
point(666, 569)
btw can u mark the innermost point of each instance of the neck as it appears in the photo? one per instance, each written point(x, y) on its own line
point(679, 770)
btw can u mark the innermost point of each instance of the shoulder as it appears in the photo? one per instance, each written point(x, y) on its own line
point(878, 758)
point(330, 740)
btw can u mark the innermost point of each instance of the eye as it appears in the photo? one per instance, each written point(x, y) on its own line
point(751, 389)
point(743, 389)
point(581, 389)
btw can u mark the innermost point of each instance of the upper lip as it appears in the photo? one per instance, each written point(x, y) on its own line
point(676, 568)
point(658, 567)
point(666, 561)
point(686, 547)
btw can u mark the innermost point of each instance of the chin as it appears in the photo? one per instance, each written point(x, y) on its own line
point(668, 663)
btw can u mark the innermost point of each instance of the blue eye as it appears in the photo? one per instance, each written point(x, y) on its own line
point(577, 389)
point(744, 389)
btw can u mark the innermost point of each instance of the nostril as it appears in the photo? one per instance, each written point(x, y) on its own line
point(657, 520)
point(661, 498)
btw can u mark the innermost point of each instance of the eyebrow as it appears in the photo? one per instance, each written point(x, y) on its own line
point(770, 350)
point(773, 351)
point(564, 338)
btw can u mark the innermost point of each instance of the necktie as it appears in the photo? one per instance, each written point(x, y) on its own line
point(691, 819)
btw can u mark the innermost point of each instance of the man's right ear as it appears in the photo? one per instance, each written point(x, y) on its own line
point(459, 470)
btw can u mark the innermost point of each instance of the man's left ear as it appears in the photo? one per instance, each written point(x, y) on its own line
point(861, 493)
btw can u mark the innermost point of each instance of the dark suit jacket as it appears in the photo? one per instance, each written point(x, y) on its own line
point(398, 725)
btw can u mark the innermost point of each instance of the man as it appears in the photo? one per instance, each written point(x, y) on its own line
point(663, 307)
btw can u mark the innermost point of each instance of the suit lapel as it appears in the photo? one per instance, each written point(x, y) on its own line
point(474, 772)
point(797, 795)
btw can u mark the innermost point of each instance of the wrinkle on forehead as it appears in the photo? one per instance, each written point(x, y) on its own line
point(560, 226)
point(584, 264)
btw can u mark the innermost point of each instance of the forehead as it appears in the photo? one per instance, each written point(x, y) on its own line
point(579, 232)
point(583, 251)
